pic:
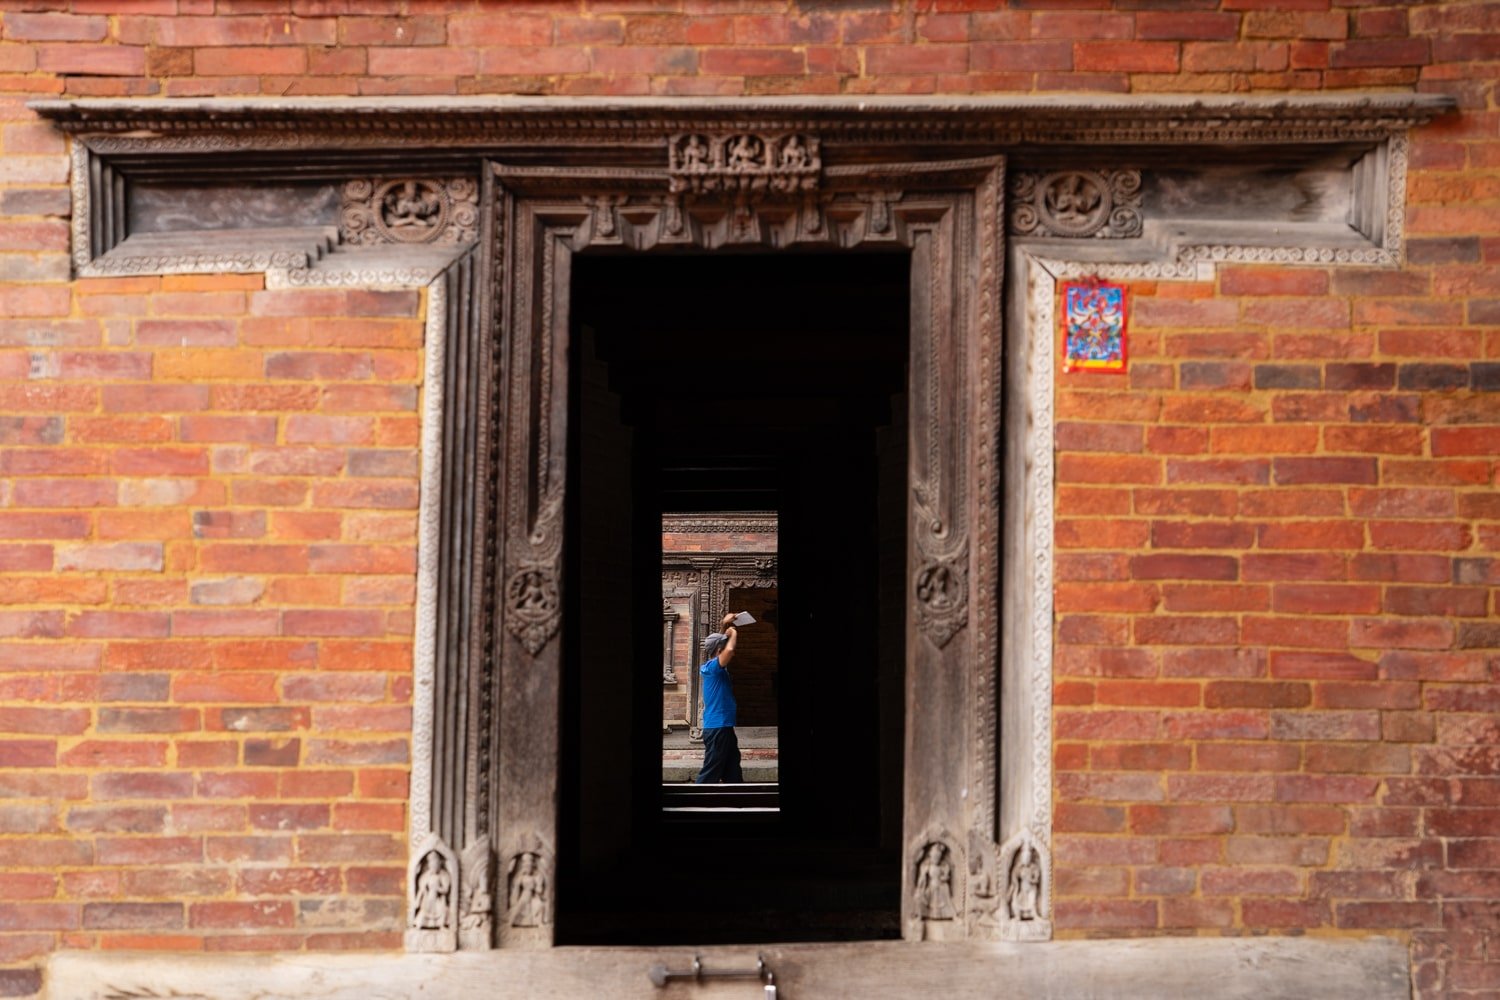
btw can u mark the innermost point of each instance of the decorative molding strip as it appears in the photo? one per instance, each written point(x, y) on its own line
point(755, 522)
point(226, 124)
point(429, 548)
point(352, 276)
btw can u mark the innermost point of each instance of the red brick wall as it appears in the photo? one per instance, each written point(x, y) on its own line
point(1277, 675)
point(207, 538)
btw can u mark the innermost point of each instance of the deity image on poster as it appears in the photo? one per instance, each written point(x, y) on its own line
point(1094, 314)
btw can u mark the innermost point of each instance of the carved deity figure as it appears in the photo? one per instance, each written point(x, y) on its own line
point(1025, 885)
point(528, 891)
point(411, 207)
point(935, 884)
point(531, 593)
point(694, 153)
point(936, 587)
point(793, 153)
point(477, 913)
point(429, 905)
point(744, 153)
point(1073, 199)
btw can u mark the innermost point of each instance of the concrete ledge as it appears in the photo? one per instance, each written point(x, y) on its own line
point(1201, 968)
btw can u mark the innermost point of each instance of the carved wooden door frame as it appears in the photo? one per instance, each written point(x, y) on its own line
point(946, 215)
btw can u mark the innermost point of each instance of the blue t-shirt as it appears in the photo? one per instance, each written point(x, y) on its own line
point(718, 696)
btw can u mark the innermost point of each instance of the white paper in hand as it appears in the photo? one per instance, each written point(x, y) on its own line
point(744, 618)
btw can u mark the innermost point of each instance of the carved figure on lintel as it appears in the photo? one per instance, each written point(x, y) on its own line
point(1025, 915)
point(794, 155)
point(693, 154)
point(477, 901)
point(745, 152)
point(432, 917)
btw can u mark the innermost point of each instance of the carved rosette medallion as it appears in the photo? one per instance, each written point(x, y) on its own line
point(432, 904)
point(409, 210)
point(533, 606)
point(937, 882)
point(1103, 204)
point(941, 591)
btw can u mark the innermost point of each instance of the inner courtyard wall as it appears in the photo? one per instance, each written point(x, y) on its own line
point(1277, 679)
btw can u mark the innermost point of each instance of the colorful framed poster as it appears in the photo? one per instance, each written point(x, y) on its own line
point(1094, 338)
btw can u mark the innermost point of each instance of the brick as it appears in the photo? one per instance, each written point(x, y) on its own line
point(1297, 471)
point(1432, 377)
point(1184, 567)
point(241, 915)
point(1256, 694)
point(132, 916)
point(1379, 52)
point(1359, 375)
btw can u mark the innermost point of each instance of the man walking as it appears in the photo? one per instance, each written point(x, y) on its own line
point(721, 750)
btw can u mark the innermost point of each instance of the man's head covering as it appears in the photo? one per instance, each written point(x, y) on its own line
point(715, 642)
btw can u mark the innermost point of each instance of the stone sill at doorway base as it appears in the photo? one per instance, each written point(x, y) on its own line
point(1262, 968)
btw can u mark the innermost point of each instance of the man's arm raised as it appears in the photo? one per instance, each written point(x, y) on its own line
point(727, 653)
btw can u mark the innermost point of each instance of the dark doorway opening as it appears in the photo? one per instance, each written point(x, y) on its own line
point(737, 383)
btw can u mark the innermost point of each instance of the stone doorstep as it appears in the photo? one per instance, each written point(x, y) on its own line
point(1263, 968)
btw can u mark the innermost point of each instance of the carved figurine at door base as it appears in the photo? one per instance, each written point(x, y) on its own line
point(432, 916)
point(477, 900)
point(528, 895)
point(1028, 890)
point(985, 891)
point(937, 897)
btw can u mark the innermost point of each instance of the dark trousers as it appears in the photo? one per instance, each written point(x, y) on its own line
point(721, 757)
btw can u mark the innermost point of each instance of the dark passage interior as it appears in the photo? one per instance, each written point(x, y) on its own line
point(737, 383)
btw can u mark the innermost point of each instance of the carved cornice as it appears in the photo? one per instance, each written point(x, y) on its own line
point(306, 123)
point(706, 524)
